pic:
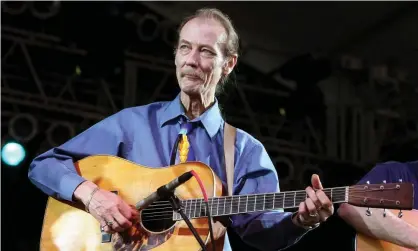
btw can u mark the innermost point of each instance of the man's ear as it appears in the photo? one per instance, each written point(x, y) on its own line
point(230, 64)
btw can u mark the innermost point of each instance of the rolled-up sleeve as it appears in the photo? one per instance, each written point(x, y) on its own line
point(54, 172)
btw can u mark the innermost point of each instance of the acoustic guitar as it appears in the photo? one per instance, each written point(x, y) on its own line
point(366, 243)
point(67, 226)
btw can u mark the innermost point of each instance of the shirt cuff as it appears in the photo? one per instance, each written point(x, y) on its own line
point(68, 184)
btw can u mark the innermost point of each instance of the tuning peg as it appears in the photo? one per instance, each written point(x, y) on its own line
point(368, 212)
point(400, 214)
point(384, 212)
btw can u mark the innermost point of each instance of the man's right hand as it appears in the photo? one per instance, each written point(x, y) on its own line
point(109, 209)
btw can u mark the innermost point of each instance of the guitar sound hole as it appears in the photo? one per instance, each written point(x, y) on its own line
point(158, 216)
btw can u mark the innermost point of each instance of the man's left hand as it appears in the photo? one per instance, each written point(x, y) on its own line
point(316, 208)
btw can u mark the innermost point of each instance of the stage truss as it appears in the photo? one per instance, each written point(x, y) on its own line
point(74, 101)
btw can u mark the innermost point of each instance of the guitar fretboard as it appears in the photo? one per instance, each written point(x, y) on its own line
point(230, 205)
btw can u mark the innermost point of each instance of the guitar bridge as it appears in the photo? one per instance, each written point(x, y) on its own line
point(106, 237)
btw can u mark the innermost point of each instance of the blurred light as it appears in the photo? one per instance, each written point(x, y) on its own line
point(78, 70)
point(13, 153)
point(282, 111)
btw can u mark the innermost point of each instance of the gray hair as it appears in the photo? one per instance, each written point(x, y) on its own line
point(232, 40)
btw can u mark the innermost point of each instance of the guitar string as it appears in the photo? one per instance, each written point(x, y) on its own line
point(170, 213)
point(277, 196)
point(235, 201)
point(241, 198)
point(197, 204)
point(193, 203)
point(192, 211)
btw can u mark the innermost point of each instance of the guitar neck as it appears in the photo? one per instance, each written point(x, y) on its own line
point(239, 204)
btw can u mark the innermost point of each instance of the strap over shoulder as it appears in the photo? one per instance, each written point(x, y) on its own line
point(229, 153)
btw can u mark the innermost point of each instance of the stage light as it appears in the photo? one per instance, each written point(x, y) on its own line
point(23, 127)
point(13, 153)
point(45, 10)
point(59, 132)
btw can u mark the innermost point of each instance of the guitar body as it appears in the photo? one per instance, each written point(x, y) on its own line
point(365, 243)
point(68, 227)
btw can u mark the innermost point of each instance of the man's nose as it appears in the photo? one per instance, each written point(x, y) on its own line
point(193, 58)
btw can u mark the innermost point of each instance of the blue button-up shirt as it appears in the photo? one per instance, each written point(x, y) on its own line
point(146, 135)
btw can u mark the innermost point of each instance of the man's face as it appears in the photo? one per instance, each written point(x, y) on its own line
point(200, 60)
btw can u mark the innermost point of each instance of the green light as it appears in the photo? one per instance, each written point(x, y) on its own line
point(78, 70)
point(13, 153)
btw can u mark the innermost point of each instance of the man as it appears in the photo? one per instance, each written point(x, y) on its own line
point(389, 228)
point(205, 55)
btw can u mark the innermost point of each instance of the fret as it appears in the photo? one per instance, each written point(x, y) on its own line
point(200, 208)
point(264, 202)
point(274, 199)
point(185, 209)
point(239, 203)
point(203, 211)
point(223, 212)
point(195, 207)
point(192, 203)
point(284, 197)
point(235, 205)
point(242, 204)
point(230, 209)
point(211, 206)
point(246, 205)
point(294, 200)
point(269, 204)
point(255, 203)
point(217, 207)
point(290, 202)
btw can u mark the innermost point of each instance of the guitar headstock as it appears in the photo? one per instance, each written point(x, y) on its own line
point(385, 195)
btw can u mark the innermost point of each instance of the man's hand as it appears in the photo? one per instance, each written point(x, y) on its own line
point(316, 208)
point(110, 210)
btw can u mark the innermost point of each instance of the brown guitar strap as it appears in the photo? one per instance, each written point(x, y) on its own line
point(229, 152)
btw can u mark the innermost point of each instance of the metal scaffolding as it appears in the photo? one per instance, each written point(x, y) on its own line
point(74, 101)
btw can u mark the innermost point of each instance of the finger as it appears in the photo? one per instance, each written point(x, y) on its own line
point(316, 182)
point(121, 220)
point(105, 227)
point(323, 215)
point(126, 210)
point(312, 195)
point(134, 212)
point(303, 210)
point(324, 200)
point(112, 223)
point(311, 207)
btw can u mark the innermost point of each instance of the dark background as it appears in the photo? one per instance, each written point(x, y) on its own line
point(307, 42)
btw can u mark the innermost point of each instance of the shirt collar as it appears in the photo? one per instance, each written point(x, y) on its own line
point(211, 118)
